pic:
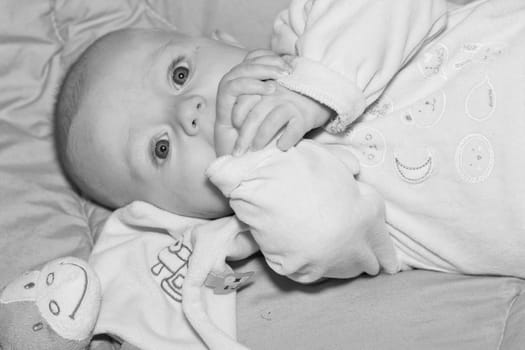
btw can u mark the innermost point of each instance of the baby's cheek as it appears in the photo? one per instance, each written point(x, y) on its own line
point(224, 138)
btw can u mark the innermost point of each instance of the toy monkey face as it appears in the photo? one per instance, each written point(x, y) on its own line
point(65, 295)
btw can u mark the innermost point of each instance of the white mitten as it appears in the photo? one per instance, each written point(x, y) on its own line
point(305, 209)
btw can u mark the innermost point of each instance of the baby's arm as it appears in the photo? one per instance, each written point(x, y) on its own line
point(344, 53)
point(323, 223)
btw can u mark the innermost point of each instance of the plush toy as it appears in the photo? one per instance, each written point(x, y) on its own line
point(52, 309)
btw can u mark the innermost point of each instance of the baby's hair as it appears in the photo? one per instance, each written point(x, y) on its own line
point(72, 91)
point(67, 104)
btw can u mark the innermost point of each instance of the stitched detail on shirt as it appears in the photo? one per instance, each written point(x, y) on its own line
point(381, 108)
point(478, 53)
point(428, 111)
point(481, 101)
point(433, 61)
point(414, 174)
point(370, 145)
point(474, 158)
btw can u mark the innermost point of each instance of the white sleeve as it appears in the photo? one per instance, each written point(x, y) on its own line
point(323, 223)
point(344, 52)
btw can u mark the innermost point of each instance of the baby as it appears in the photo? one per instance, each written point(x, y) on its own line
point(136, 119)
point(418, 169)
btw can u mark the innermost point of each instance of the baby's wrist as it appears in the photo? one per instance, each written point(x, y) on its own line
point(326, 114)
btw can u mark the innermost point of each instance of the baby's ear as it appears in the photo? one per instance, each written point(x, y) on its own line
point(227, 38)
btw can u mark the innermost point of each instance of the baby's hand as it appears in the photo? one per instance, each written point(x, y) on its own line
point(284, 111)
point(241, 88)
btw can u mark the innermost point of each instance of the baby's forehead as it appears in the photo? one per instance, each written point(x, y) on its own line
point(142, 39)
point(122, 56)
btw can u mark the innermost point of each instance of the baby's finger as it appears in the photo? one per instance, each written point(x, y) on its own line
point(256, 71)
point(230, 90)
point(250, 126)
point(243, 86)
point(242, 107)
point(258, 53)
point(274, 61)
point(272, 124)
point(292, 134)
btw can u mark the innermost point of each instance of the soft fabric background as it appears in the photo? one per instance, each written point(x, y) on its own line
point(41, 217)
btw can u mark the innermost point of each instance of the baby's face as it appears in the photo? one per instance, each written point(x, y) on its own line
point(145, 130)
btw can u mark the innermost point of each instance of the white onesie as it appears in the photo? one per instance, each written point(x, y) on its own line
point(444, 142)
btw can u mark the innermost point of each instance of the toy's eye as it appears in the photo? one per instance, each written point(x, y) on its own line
point(38, 326)
point(162, 149)
point(29, 285)
point(54, 308)
point(50, 278)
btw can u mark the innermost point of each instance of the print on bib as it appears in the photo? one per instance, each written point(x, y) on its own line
point(481, 101)
point(426, 112)
point(477, 53)
point(171, 267)
point(370, 145)
point(474, 158)
point(414, 166)
point(433, 60)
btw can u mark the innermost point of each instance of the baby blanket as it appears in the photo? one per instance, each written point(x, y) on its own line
point(164, 280)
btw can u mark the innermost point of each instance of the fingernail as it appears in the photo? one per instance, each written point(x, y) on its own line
point(285, 72)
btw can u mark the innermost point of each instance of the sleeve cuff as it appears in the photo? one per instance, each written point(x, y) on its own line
point(315, 80)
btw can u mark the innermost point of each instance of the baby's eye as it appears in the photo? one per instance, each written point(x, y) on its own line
point(179, 72)
point(162, 149)
point(179, 75)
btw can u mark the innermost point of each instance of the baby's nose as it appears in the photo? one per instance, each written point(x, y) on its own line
point(190, 113)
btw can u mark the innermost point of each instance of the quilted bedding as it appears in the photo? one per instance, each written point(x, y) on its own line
point(42, 217)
